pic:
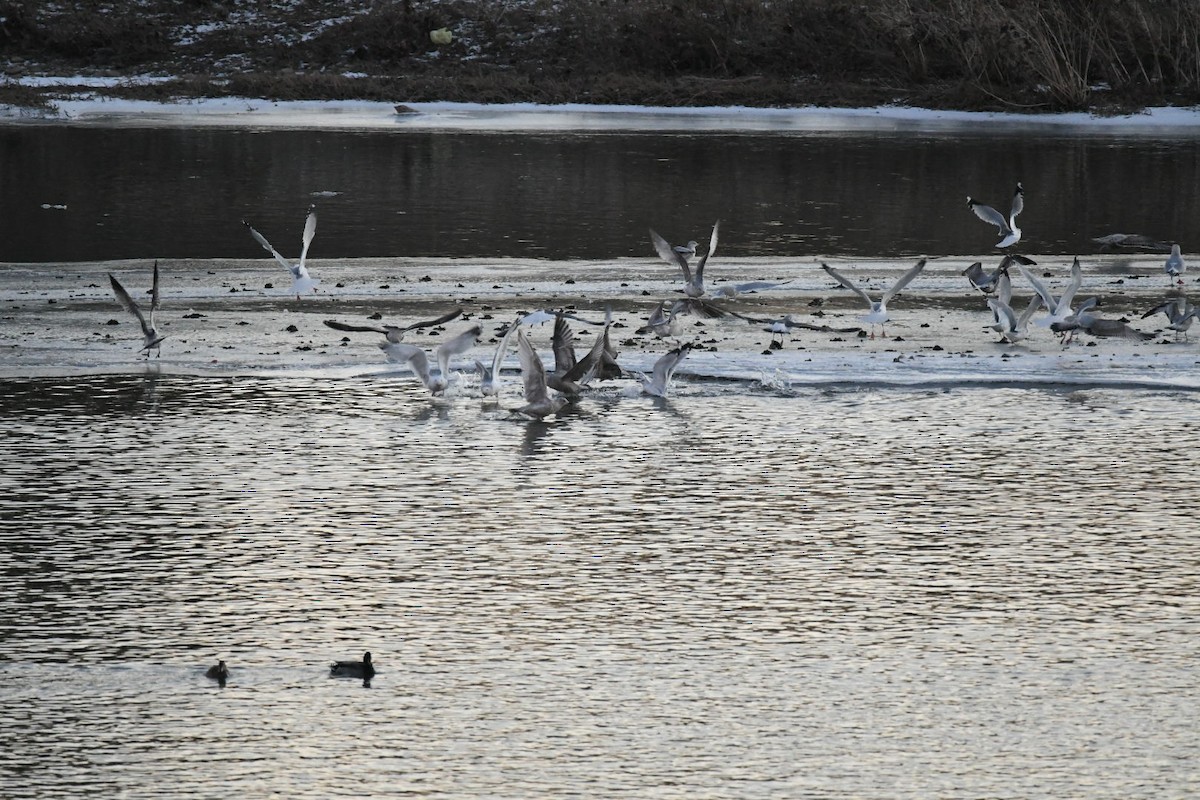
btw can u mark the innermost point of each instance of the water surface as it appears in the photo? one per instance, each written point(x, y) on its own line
point(875, 592)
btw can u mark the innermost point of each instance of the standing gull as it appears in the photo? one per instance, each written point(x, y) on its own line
point(1010, 234)
point(693, 279)
point(1012, 328)
point(1175, 265)
point(151, 338)
point(301, 280)
point(878, 314)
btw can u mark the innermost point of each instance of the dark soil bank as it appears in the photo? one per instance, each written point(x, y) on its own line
point(1029, 55)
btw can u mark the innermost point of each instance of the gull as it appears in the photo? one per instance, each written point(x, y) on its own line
point(571, 375)
point(418, 361)
point(659, 381)
point(1010, 234)
point(301, 280)
point(1011, 327)
point(489, 376)
point(1180, 314)
point(395, 334)
point(151, 338)
point(879, 313)
point(539, 402)
point(1132, 240)
point(662, 322)
point(364, 669)
point(730, 291)
point(987, 282)
point(1175, 266)
point(219, 673)
point(1082, 318)
point(1059, 308)
point(693, 279)
point(1092, 324)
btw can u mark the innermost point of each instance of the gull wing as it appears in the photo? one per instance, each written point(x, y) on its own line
point(1047, 298)
point(668, 254)
point(310, 230)
point(1035, 303)
point(712, 248)
point(989, 215)
point(533, 374)
point(154, 294)
point(413, 356)
point(342, 326)
point(456, 346)
point(1004, 314)
point(262, 240)
point(1068, 294)
point(975, 274)
point(430, 323)
point(1018, 203)
point(664, 368)
point(502, 348)
point(903, 281)
point(849, 284)
point(1162, 308)
point(563, 344)
point(128, 303)
point(1004, 288)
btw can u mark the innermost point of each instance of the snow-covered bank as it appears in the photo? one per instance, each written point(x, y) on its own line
point(259, 113)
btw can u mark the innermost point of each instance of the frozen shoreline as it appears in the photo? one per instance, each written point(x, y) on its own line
point(517, 117)
point(235, 318)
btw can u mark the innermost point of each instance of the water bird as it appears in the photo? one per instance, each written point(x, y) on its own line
point(219, 673)
point(1180, 314)
point(301, 281)
point(730, 291)
point(988, 282)
point(418, 360)
point(394, 333)
point(364, 669)
point(878, 314)
point(1012, 328)
point(1175, 265)
point(539, 402)
point(151, 338)
point(1134, 241)
point(693, 278)
point(663, 321)
point(658, 382)
point(1010, 234)
point(571, 374)
point(489, 375)
point(1058, 308)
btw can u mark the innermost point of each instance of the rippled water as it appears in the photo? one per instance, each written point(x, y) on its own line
point(734, 593)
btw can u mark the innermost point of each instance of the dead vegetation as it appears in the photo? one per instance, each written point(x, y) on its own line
point(1048, 55)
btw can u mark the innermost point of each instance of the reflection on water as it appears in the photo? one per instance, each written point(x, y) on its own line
point(428, 194)
point(981, 592)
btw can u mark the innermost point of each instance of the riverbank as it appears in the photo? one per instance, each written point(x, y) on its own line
point(1018, 56)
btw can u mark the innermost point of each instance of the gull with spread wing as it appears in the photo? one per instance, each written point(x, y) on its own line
point(693, 278)
point(1010, 234)
point(301, 281)
point(151, 338)
point(878, 314)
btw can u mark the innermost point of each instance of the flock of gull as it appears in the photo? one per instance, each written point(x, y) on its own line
point(546, 391)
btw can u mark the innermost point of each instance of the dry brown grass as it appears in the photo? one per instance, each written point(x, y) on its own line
point(1038, 54)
